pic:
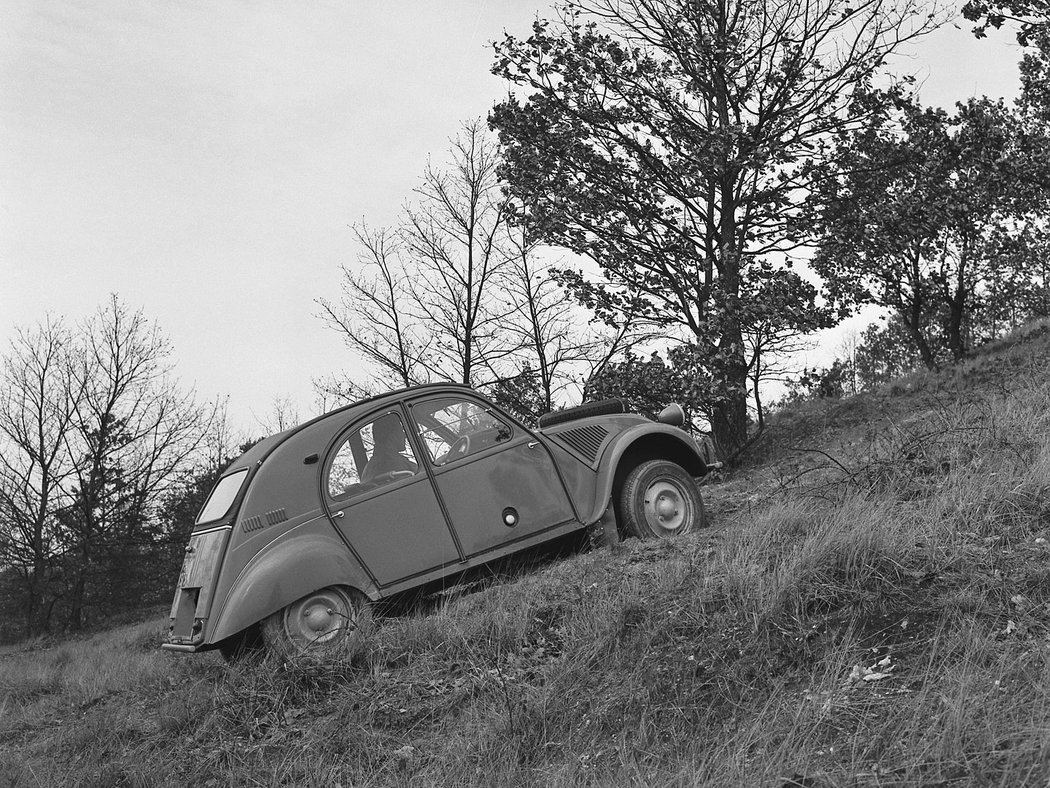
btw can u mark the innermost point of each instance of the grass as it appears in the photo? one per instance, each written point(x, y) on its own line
point(872, 608)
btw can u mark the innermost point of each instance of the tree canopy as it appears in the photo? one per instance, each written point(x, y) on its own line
point(932, 215)
point(673, 142)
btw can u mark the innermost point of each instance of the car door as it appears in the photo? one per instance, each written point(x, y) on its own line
point(383, 503)
point(497, 482)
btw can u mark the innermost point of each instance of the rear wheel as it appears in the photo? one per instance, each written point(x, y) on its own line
point(328, 621)
point(660, 499)
point(246, 643)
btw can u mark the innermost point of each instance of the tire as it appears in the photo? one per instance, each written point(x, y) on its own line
point(659, 499)
point(243, 645)
point(331, 621)
point(603, 407)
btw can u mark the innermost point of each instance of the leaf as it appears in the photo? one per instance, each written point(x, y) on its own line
point(858, 673)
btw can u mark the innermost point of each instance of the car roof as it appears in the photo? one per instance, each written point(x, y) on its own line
point(260, 450)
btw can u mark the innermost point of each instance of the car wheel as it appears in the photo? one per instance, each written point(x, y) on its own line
point(660, 499)
point(331, 621)
point(244, 644)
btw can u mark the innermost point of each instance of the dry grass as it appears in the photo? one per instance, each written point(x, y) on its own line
point(907, 536)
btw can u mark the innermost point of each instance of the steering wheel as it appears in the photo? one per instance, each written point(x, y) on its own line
point(459, 448)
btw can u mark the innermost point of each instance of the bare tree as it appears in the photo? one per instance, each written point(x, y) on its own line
point(453, 235)
point(283, 415)
point(374, 315)
point(92, 433)
point(221, 441)
point(132, 431)
point(37, 398)
point(425, 302)
point(557, 346)
point(769, 347)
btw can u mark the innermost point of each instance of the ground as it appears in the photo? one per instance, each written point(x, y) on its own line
point(870, 607)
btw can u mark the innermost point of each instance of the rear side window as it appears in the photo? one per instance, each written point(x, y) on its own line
point(222, 497)
point(371, 456)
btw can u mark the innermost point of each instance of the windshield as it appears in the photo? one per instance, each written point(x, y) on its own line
point(222, 496)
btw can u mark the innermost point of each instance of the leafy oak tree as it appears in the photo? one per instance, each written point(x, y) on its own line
point(924, 214)
point(1031, 21)
point(1032, 17)
point(884, 353)
point(672, 142)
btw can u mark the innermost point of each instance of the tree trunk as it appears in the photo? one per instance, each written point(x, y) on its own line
point(35, 604)
point(729, 426)
point(911, 316)
point(75, 620)
point(729, 414)
point(922, 346)
point(955, 338)
point(760, 416)
point(956, 310)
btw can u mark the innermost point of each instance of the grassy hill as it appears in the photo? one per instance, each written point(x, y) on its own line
point(871, 607)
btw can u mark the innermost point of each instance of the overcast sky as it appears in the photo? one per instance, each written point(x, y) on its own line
point(204, 160)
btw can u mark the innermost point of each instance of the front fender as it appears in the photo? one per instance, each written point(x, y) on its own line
point(652, 441)
point(304, 559)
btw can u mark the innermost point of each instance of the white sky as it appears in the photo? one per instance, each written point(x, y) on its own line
point(204, 160)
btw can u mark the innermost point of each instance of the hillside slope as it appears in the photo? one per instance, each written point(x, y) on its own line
point(871, 608)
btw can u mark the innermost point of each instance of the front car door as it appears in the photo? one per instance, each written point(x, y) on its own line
point(380, 497)
point(497, 482)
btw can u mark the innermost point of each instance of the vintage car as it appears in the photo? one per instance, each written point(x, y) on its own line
point(309, 527)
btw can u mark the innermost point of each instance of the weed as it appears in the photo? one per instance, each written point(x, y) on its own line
point(873, 610)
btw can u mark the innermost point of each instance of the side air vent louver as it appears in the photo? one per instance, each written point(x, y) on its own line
point(260, 521)
point(586, 440)
point(252, 524)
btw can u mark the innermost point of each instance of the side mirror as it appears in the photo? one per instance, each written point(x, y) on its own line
point(673, 415)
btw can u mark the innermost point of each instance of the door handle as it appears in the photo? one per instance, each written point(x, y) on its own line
point(533, 444)
point(338, 514)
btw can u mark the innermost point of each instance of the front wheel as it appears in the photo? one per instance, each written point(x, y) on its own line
point(331, 621)
point(660, 499)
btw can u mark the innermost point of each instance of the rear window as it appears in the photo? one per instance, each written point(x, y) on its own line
point(221, 498)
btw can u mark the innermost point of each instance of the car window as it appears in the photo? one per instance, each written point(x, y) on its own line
point(371, 456)
point(451, 428)
point(222, 497)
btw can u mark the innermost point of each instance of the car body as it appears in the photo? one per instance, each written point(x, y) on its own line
point(411, 487)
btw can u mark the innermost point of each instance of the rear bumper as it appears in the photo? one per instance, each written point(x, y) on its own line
point(179, 647)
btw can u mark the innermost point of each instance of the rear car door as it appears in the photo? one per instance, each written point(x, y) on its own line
point(497, 482)
point(382, 501)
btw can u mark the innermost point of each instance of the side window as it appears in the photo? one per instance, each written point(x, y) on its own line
point(452, 428)
point(222, 497)
point(371, 456)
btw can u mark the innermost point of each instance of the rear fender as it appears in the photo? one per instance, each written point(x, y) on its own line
point(298, 562)
point(636, 445)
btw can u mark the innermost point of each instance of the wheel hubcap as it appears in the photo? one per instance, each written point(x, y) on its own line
point(665, 506)
point(318, 619)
